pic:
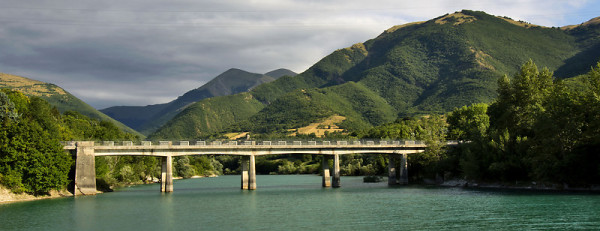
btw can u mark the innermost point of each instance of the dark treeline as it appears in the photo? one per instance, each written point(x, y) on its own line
point(538, 129)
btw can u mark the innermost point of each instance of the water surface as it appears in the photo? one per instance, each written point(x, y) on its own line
point(298, 202)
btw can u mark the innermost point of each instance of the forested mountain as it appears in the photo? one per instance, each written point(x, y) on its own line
point(57, 97)
point(147, 119)
point(419, 68)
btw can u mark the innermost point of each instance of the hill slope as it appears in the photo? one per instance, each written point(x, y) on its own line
point(418, 68)
point(147, 119)
point(57, 97)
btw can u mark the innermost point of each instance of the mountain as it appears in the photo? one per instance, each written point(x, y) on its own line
point(147, 119)
point(412, 69)
point(58, 97)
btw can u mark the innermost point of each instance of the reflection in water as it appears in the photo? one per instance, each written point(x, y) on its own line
point(298, 202)
point(84, 216)
point(165, 211)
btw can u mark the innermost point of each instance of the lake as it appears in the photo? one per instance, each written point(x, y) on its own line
point(298, 202)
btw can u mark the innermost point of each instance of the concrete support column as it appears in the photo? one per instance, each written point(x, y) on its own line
point(404, 169)
point(336, 171)
point(392, 180)
point(245, 165)
point(85, 169)
point(166, 176)
point(252, 174)
point(326, 174)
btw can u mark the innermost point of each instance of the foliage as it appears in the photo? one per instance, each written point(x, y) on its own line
point(540, 130)
point(31, 156)
point(468, 123)
point(431, 130)
point(8, 113)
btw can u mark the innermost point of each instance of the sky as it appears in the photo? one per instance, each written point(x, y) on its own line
point(141, 52)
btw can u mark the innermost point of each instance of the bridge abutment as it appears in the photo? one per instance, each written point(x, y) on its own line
point(85, 169)
point(336, 171)
point(326, 173)
point(166, 176)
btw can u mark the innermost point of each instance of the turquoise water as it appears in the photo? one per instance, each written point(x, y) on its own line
point(298, 202)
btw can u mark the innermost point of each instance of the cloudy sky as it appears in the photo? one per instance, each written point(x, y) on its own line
point(140, 52)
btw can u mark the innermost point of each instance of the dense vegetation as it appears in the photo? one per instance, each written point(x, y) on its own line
point(538, 129)
point(31, 156)
point(417, 69)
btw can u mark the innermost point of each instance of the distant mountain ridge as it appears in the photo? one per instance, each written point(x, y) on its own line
point(56, 96)
point(146, 119)
point(412, 69)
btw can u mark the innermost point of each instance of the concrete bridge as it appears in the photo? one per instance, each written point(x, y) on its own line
point(85, 151)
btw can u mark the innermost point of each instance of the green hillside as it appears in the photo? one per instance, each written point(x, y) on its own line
point(147, 119)
point(419, 68)
point(209, 116)
point(57, 97)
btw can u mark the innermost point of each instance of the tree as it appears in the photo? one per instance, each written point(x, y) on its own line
point(468, 123)
point(521, 100)
point(31, 156)
point(512, 117)
point(8, 113)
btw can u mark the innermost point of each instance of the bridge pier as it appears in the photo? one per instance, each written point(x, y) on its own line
point(244, 173)
point(85, 169)
point(326, 174)
point(394, 176)
point(166, 176)
point(336, 171)
point(252, 174)
point(392, 179)
point(404, 169)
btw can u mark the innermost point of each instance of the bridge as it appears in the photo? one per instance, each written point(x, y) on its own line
point(85, 151)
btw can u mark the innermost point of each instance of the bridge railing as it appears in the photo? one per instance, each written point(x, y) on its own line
point(262, 143)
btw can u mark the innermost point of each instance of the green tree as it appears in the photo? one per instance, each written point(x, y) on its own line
point(31, 156)
point(8, 113)
point(512, 117)
point(468, 123)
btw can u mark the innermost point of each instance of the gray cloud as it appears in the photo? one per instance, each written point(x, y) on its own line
point(145, 52)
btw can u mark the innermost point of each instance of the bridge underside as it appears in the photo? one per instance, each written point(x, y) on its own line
point(85, 177)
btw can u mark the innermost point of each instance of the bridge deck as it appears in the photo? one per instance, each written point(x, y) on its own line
point(146, 148)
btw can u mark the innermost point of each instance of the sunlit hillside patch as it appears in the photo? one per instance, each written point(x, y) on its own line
point(29, 86)
point(236, 135)
point(397, 27)
point(319, 128)
point(456, 18)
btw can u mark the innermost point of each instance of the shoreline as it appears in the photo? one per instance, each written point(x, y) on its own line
point(533, 186)
point(8, 197)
